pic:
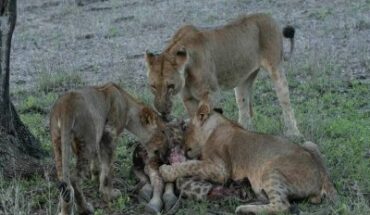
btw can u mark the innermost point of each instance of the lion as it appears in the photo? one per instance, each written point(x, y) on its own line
point(197, 63)
point(88, 121)
point(278, 171)
point(188, 187)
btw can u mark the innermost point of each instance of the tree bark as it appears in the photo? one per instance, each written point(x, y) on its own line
point(19, 149)
point(7, 23)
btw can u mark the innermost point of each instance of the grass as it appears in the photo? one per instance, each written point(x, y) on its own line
point(60, 82)
point(12, 199)
point(332, 113)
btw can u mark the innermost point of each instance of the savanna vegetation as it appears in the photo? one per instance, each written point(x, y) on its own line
point(58, 46)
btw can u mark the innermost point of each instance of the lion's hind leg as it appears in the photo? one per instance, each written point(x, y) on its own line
point(282, 91)
point(82, 168)
point(276, 190)
point(66, 198)
point(63, 157)
point(72, 193)
point(83, 207)
point(244, 96)
point(66, 191)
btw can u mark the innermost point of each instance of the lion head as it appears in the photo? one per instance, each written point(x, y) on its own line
point(165, 75)
point(158, 143)
point(196, 132)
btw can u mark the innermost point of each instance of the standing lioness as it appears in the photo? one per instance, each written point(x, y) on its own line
point(198, 62)
point(278, 171)
point(88, 122)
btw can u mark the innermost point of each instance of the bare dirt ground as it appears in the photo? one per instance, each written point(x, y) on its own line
point(105, 41)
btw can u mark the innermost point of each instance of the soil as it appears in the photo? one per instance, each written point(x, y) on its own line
point(105, 40)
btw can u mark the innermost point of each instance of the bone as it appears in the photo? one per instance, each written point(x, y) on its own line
point(155, 204)
point(169, 196)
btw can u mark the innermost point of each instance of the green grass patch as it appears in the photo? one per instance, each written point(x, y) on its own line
point(333, 114)
point(58, 82)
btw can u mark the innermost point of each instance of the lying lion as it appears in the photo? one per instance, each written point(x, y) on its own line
point(88, 122)
point(198, 63)
point(278, 171)
point(189, 187)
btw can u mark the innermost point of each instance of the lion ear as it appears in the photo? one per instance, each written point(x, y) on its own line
point(203, 112)
point(181, 56)
point(149, 57)
point(147, 117)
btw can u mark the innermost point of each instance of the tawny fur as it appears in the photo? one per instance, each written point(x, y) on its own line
point(278, 171)
point(88, 122)
point(198, 63)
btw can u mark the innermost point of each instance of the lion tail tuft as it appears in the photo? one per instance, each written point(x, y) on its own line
point(289, 32)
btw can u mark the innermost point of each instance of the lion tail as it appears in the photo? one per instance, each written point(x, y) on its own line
point(327, 188)
point(66, 143)
point(288, 32)
point(65, 186)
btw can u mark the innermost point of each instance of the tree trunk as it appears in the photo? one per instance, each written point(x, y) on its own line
point(19, 149)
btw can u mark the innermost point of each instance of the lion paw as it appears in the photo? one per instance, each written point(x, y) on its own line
point(111, 195)
point(66, 191)
point(115, 193)
point(246, 210)
point(166, 172)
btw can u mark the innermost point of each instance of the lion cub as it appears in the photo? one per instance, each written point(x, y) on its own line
point(88, 121)
point(277, 170)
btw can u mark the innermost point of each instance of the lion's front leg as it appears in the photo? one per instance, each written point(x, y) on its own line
point(190, 103)
point(207, 97)
point(106, 155)
point(206, 170)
